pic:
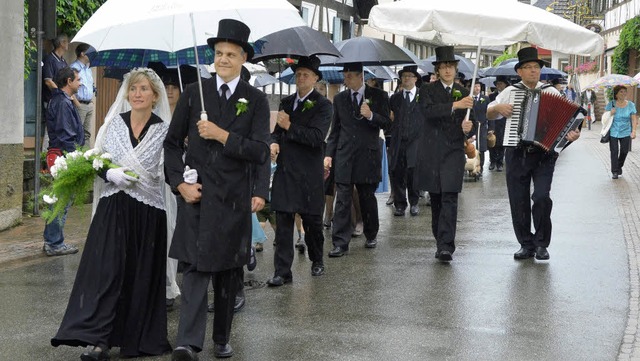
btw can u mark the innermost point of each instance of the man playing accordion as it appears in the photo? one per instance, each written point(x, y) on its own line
point(525, 163)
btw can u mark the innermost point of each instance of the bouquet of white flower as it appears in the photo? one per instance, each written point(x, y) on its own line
point(73, 176)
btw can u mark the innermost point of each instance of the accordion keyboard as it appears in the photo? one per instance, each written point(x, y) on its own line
point(511, 131)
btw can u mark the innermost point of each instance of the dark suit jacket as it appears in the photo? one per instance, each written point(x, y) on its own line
point(298, 185)
point(497, 125)
point(354, 143)
point(441, 161)
point(412, 117)
point(215, 234)
point(480, 115)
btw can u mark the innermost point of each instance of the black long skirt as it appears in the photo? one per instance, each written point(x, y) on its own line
point(118, 297)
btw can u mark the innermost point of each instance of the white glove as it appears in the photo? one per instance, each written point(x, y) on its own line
point(190, 176)
point(118, 177)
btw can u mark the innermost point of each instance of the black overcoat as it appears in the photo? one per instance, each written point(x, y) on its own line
point(215, 234)
point(480, 115)
point(497, 125)
point(411, 116)
point(441, 160)
point(298, 185)
point(354, 144)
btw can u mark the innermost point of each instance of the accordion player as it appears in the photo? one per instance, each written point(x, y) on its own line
point(541, 119)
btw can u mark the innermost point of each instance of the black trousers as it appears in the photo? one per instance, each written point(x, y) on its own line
point(522, 168)
point(342, 226)
point(444, 216)
point(619, 152)
point(496, 154)
point(402, 181)
point(193, 308)
point(283, 255)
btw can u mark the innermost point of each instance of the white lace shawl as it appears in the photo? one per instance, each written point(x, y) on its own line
point(145, 160)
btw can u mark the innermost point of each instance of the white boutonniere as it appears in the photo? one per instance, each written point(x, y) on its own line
point(308, 104)
point(456, 94)
point(368, 101)
point(481, 100)
point(241, 106)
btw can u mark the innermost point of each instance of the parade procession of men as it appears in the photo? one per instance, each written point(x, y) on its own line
point(292, 115)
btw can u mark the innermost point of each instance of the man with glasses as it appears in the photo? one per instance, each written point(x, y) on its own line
point(408, 117)
point(355, 150)
point(526, 164)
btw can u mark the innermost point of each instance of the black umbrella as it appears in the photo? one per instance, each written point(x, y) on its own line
point(293, 43)
point(368, 51)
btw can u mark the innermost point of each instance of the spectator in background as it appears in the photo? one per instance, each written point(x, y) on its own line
point(84, 99)
point(65, 133)
point(51, 64)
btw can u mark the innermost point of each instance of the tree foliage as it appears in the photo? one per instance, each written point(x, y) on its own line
point(629, 39)
point(506, 55)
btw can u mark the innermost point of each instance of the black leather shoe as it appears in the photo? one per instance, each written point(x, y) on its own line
point(94, 355)
point(389, 200)
point(222, 350)
point(614, 175)
point(414, 210)
point(253, 262)
point(499, 168)
point(444, 256)
point(399, 212)
point(492, 166)
point(184, 353)
point(524, 253)
point(240, 302)
point(371, 243)
point(317, 269)
point(170, 303)
point(211, 307)
point(542, 253)
point(337, 252)
point(277, 281)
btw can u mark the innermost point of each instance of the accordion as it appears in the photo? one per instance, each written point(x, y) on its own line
point(541, 118)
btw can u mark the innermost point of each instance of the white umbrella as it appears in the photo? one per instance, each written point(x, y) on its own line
point(166, 24)
point(495, 22)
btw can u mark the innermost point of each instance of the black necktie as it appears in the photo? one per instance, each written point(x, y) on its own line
point(298, 104)
point(407, 97)
point(223, 92)
point(356, 106)
point(448, 89)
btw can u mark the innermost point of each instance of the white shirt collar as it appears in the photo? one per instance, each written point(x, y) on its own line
point(445, 85)
point(304, 97)
point(232, 84)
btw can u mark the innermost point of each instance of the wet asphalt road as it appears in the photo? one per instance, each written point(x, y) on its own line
point(396, 302)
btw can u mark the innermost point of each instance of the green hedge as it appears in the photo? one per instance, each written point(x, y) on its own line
point(629, 39)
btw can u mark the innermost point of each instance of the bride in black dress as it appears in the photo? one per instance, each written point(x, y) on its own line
point(118, 297)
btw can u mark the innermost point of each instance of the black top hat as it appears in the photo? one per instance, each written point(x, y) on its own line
point(357, 67)
point(312, 63)
point(501, 78)
point(188, 73)
point(445, 54)
point(411, 69)
point(557, 81)
point(233, 31)
point(526, 55)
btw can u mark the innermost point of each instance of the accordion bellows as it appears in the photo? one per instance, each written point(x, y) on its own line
point(540, 118)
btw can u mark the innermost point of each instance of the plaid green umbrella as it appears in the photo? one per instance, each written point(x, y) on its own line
point(131, 58)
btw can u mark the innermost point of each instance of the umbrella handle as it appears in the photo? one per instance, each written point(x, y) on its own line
point(195, 48)
point(475, 71)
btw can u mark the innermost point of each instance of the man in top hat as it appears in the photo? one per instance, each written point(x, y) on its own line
point(298, 187)
point(588, 101)
point(441, 162)
point(496, 126)
point(171, 79)
point(407, 116)
point(355, 150)
point(480, 128)
point(213, 226)
point(529, 163)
